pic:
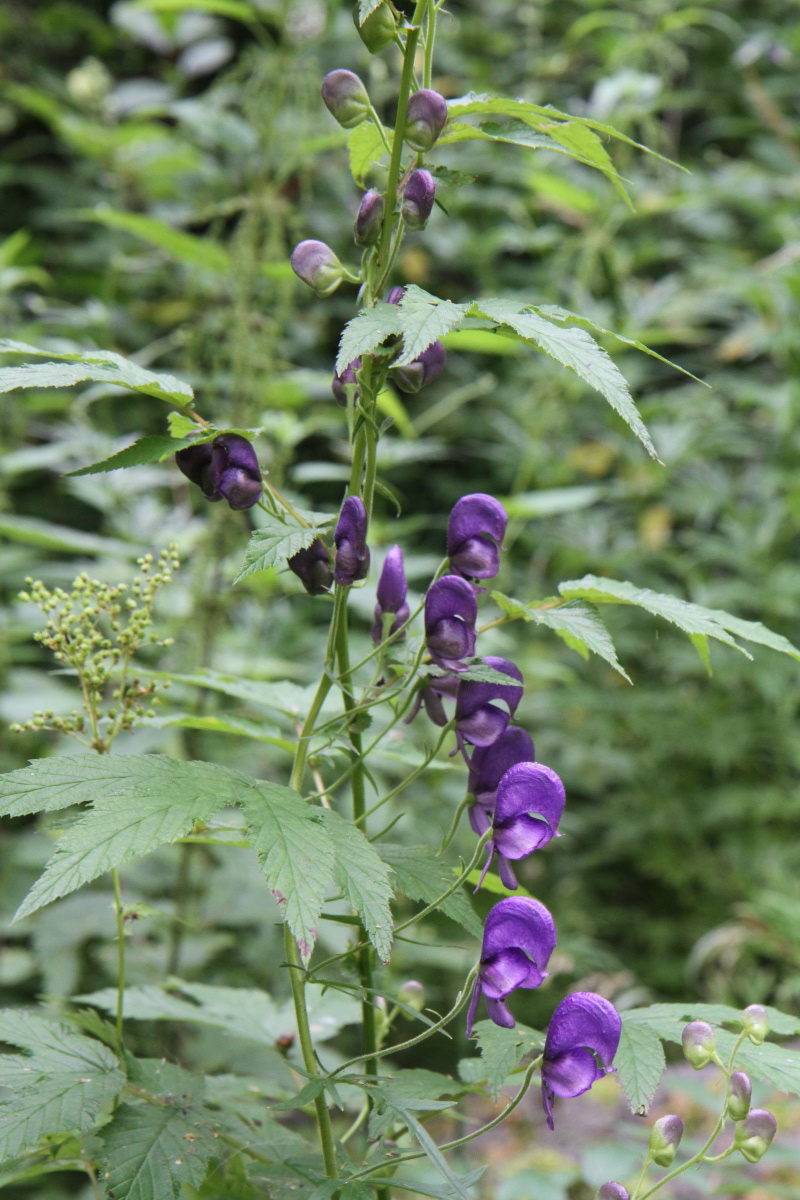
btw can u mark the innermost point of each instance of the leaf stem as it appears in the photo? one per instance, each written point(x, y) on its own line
point(120, 950)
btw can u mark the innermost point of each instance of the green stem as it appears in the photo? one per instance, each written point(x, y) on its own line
point(120, 949)
point(430, 35)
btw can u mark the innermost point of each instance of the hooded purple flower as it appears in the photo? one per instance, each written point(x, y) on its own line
point(225, 469)
point(431, 694)
point(450, 614)
point(391, 594)
point(426, 118)
point(315, 263)
point(347, 380)
point(580, 1046)
point(475, 534)
point(369, 218)
point(350, 538)
point(422, 370)
point(518, 939)
point(478, 720)
point(312, 567)
point(417, 199)
point(487, 767)
point(530, 801)
point(345, 97)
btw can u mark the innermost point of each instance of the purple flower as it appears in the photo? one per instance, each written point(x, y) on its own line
point(585, 1028)
point(425, 120)
point(395, 295)
point(312, 567)
point(450, 614)
point(346, 97)
point(391, 594)
point(518, 939)
point(369, 217)
point(350, 538)
point(317, 265)
point(753, 1136)
point(487, 767)
point(530, 801)
point(346, 383)
point(475, 534)
point(422, 370)
point(225, 469)
point(613, 1191)
point(431, 695)
point(417, 203)
point(478, 719)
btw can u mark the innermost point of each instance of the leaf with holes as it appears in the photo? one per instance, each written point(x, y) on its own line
point(152, 1150)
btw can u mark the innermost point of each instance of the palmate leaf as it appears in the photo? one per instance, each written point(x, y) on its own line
point(575, 621)
point(366, 332)
point(417, 1088)
point(640, 1063)
point(58, 1086)
point(420, 875)
point(275, 543)
point(364, 878)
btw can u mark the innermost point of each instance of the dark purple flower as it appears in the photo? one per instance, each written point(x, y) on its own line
point(450, 614)
point(478, 719)
point(350, 538)
point(317, 265)
point(518, 939)
point(225, 469)
point(417, 199)
point(378, 30)
point(530, 801)
point(312, 567)
point(425, 120)
point(475, 534)
point(395, 295)
point(391, 594)
point(346, 97)
point(585, 1028)
point(422, 370)
point(346, 383)
point(487, 767)
point(431, 694)
point(367, 227)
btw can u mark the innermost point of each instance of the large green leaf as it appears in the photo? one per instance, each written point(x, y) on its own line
point(575, 621)
point(364, 878)
point(420, 875)
point(151, 1150)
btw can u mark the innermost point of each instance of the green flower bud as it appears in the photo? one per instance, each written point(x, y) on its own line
point(737, 1105)
point(412, 994)
point(317, 265)
point(379, 29)
point(665, 1137)
point(753, 1136)
point(756, 1023)
point(699, 1043)
point(346, 98)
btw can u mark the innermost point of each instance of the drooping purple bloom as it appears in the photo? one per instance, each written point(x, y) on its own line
point(475, 535)
point(450, 614)
point(345, 97)
point(391, 594)
point(315, 263)
point(350, 538)
point(432, 694)
point(487, 767)
point(518, 939)
point(346, 382)
point(479, 720)
point(585, 1028)
point(369, 217)
point(426, 118)
point(530, 801)
point(422, 370)
point(225, 469)
point(312, 567)
point(417, 199)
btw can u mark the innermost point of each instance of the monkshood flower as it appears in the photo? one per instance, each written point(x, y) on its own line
point(422, 370)
point(579, 1048)
point(395, 295)
point(528, 808)
point(475, 535)
point(225, 469)
point(612, 1191)
point(317, 265)
point(487, 767)
point(346, 97)
point(369, 217)
point(431, 694)
point(753, 1136)
point(740, 1091)
point(450, 614)
point(479, 720)
point(346, 383)
point(350, 538)
point(426, 118)
point(665, 1137)
point(755, 1023)
point(417, 199)
point(518, 938)
point(391, 594)
point(313, 568)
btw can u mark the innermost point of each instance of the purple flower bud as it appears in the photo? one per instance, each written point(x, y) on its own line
point(530, 801)
point(369, 217)
point(450, 614)
point(755, 1023)
point(427, 114)
point(475, 534)
point(422, 370)
point(346, 97)
point(225, 469)
point(478, 719)
point(395, 295)
point(350, 538)
point(699, 1043)
point(753, 1136)
point(346, 384)
point(391, 594)
point(379, 29)
point(518, 939)
point(487, 767)
point(313, 568)
point(739, 1093)
point(317, 265)
point(612, 1191)
point(585, 1028)
point(418, 195)
point(665, 1137)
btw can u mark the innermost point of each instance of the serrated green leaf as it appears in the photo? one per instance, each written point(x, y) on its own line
point(412, 1088)
point(640, 1063)
point(281, 695)
point(364, 878)
point(180, 426)
point(183, 246)
point(153, 449)
point(366, 332)
point(577, 622)
point(502, 1049)
point(366, 149)
point(90, 366)
point(365, 7)
point(420, 875)
point(274, 544)
point(423, 319)
point(475, 671)
point(151, 1150)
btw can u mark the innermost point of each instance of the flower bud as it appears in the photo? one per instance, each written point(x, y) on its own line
point(312, 567)
point(412, 994)
point(395, 295)
point(379, 29)
point(345, 386)
point(756, 1023)
point(665, 1137)
point(739, 1092)
point(612, 1191)
point(346, 97)
point(427, 114)
point(350, 537)
point(418, 195)
point(753, 1136)
point(367, 227)
point(699, 1043)
point(422, 370)
point(317, 265)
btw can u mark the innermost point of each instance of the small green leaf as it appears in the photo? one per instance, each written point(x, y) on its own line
point(640, 1063)
point(153, 449)
point(575, 621)
point(502, 1049)
point(366, 149)
point(274, 544)
point(420, 875)
point(423, 319)
point(364, 878)
point(366, 332)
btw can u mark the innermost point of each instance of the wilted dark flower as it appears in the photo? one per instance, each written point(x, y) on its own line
point(422, 370)
point(317, 265)
point(312, 567)
point(487, 767)
point(225, 469)
point(450, 614)
point(367, 227)
point(346, 97)
point(753, 1136)
point(740, 1090)
point(585, 1027)
point(350, 538)
point(665, 1137)
point(391, 594)
point(475, 534)
point(427, 114)
point(417, 199)
point(518, 939)
point(699, 1043)
point(346, 383)
point(379, 29)
point(530, 801)
point(612, 1191)
point(478, 719)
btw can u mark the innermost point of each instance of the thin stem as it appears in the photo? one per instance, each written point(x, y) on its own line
point(120, 949)
point(430, 756)
point(430, 37)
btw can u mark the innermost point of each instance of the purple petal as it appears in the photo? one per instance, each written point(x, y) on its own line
point(530, 788)
point(450, 596)
point(499, 1013)
point(473, 1006)
point(449, 642)
point(474, 516)
point(194, 462)
point(232, 450)
point(490, 763)
point(507, 876)
point(473, 695)
point(391, 591)
point(520, 836)
point(239, 488)
point(584, 1019)
point(525, 924)
point(483, 726)
point(480, 819)
point(477, 557)
point(501, 973)
point(572, 1073)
